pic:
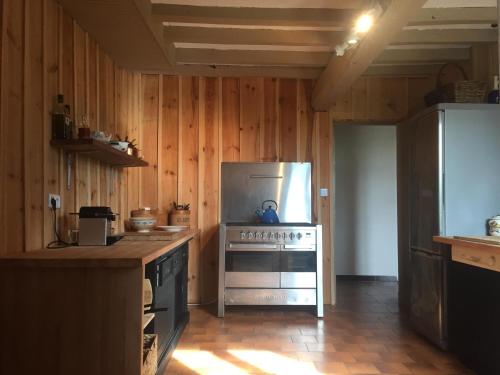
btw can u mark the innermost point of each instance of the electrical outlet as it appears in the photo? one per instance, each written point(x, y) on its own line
point(57, 198)
point(323, 192)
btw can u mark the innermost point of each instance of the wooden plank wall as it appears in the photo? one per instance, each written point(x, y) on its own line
point(196, 123)
point(382, 100)
point(44, 53)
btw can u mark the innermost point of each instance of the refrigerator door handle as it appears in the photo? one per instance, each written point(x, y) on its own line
point(427, 252)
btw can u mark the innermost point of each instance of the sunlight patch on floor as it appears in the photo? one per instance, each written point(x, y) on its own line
point(204, 362)
point(273, 363)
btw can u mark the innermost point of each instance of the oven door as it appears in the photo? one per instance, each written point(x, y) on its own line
point(298, 268)
point(252, 266)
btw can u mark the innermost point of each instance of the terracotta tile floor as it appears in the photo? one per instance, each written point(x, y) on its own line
point(362, 334)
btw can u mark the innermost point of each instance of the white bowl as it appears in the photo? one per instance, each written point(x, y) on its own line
point(119, 145)
point(142, 224)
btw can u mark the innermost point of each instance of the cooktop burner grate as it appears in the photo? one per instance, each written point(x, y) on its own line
point(233, 224)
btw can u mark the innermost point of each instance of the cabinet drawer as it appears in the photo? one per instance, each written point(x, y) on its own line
point(484, 258)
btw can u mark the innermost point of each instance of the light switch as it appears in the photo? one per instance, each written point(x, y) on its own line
point(323, 192)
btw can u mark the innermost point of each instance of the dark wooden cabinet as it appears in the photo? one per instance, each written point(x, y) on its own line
point(475, 317)
point(168, 275)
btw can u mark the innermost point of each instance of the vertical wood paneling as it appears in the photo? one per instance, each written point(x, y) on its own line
point(251, 94)
point(388, 98)
point(359, 98)
point(169, 151)
point(306, 120)
point(133, 174)
point(325, 169)
point(342, 108)
point(12, 148)
point(103, 124)
point(188, 172)
point(33, 125)
point(82, 187)
point(51, 77)
point(270, 129)
point(67, 86)
point(149, 131)
point(209, 189)
point(288, 119)
point(231, 119)
point(93, 99)
point(122, 116)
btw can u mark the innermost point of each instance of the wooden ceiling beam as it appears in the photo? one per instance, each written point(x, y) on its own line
point(341, 72)
point(450, 16)
point(254, 16)
point(416, 56)
point(257, 58)
point(407, 70)
point(461, 36)
point(264, 4)
point(241, 71)
point(180, 34)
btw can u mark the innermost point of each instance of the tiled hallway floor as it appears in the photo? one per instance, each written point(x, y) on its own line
point(362, 334)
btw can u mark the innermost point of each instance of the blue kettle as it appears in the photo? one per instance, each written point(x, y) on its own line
point(268, 215)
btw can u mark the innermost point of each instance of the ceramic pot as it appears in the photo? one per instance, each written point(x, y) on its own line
point(494, 226)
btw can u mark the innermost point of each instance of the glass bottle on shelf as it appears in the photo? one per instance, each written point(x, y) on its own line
point(61, 128)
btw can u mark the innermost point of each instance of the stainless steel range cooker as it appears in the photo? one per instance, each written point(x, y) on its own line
point(277, 264)
point(270, 265)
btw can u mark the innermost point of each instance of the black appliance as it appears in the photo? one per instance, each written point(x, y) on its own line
point(169, 277)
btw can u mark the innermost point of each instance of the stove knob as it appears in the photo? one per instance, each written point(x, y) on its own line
point(292, 236)
point(299, 236)
point(271, 236)
point(243, 235)
point(258, 235)
point(264, 235)
point(250, 235)
point(278, 235)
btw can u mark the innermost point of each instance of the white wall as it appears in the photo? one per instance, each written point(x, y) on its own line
point(365, 200)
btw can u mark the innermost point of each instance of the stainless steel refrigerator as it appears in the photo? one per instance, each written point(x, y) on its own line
point(454, 187)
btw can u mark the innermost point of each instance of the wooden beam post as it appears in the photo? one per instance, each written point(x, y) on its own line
point(341, 72)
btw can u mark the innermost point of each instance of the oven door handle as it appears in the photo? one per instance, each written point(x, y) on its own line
point(299, 247)
point(252, 246)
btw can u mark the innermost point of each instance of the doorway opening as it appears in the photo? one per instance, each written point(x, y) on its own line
point(366, 232)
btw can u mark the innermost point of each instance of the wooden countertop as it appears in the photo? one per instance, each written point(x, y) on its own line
point(121, 254)
point(475, 242)
point(481, 252)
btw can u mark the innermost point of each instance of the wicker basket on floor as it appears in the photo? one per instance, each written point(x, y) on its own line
point(149, 355)
point(463, 91)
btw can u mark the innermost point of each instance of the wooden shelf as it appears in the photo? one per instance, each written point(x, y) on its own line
point(146, 319)
point(101, 151)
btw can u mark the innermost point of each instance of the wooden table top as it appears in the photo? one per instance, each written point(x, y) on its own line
point(476, 242)
point(121, 254)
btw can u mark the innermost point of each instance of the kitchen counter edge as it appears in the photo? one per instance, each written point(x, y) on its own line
point(469, 242)
point(119, 255)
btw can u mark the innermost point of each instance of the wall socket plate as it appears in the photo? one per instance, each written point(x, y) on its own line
point(57, 197)
point(323, 192)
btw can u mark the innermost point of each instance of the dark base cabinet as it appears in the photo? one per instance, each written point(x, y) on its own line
point(168, 275)
point(475, 317)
